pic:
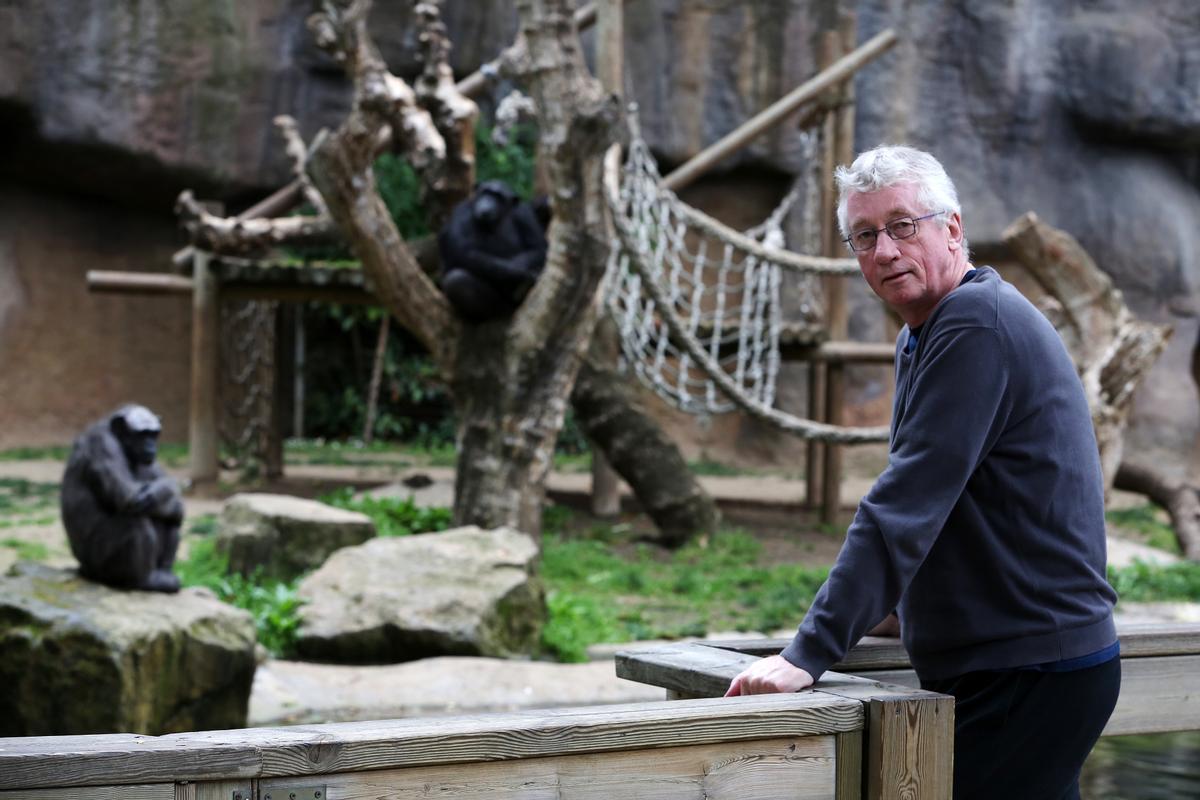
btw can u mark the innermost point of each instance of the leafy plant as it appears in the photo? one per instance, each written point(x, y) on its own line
point(273, 604)
point(393, 516)
point(1148, 521)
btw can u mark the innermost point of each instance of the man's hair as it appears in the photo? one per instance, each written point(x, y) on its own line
point(889, 165)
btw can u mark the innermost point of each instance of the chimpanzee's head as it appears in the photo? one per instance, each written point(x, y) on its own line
point(492, 202)
point(136, 428)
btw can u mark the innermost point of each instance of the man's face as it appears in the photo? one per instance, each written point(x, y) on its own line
point(911, 275)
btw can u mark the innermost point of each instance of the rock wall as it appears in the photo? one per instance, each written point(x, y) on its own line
point(1084, 111)
point(67, 357)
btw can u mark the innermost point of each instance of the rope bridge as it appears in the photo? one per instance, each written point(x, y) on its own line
point(700, 323)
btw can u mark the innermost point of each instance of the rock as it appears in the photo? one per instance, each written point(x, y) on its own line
point(464, 591)
point(82, 658)
point(284, 535)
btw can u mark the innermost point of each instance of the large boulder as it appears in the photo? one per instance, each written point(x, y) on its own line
point(465, 591)
point(285, 536)
point(81, 658)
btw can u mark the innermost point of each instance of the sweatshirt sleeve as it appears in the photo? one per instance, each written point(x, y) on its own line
point(956, 408)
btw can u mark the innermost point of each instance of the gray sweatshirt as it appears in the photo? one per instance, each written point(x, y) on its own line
point(986, 530)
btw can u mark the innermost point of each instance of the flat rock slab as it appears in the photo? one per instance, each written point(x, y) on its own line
point(79, 658)
point(465, 591)
point(285, 536)
point(295, 692)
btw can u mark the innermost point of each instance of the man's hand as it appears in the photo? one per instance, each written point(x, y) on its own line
point(768, 676)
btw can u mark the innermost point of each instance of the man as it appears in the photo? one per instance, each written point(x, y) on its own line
point(986, 530)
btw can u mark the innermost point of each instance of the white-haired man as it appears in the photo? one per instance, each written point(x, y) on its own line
point(985, 533)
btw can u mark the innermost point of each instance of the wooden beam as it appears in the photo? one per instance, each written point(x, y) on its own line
point(781, 109)
point(152, 283)
point(206, 333)
point(59, 761)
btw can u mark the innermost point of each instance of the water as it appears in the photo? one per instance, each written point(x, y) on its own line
point(1164, 766)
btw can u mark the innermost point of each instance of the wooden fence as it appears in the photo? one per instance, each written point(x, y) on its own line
point(806, 746)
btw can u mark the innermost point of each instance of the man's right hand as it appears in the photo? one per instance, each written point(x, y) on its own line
point(771, 675)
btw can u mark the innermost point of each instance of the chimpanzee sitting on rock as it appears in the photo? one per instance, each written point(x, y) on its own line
point(493, 248)
point(121, 511)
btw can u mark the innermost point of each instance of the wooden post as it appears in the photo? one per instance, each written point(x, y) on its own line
point(610, 63)
point(206, 322)
point(298, 375)
point(368, 434)
point(281, 395)
point(817, 455)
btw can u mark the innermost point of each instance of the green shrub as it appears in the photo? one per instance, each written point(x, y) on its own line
point(393, 516)
point(273, 603)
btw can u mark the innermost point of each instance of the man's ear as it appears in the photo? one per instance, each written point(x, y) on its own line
point(955, 230)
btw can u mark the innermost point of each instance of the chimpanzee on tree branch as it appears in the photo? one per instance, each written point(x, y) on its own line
point(122, 512)
point(493, 248)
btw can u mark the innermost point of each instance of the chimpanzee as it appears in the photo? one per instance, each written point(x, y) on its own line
point(493, 248)
point(121, 511)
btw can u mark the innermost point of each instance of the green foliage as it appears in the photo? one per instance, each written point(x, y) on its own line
point(512, 162)
point(393, 516)
point(51, 453)
point(1142, 582)
point(203, 525)
point(1149, 523)
point(273, 603)
point(605, 590)
point(26, 551)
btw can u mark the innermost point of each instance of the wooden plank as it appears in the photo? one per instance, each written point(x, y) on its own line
point(848, 763)
point(1158, 694)
point(144, 791)
point(886, 652)
point(692, 669)
point(559, 732)
point(800, 768)
point(387, 744)
point(910, 748)
point(99, 280)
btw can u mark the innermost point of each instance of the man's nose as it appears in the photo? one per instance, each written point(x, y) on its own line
point(886, 248)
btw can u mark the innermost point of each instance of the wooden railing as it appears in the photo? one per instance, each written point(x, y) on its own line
point(808, 745)
point(1160, 672)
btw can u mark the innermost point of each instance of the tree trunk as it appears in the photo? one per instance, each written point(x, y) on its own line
point(634, 444)
point(1181, 501)
point(1113, 351)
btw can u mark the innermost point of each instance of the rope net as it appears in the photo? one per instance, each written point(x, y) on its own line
point(697, 303)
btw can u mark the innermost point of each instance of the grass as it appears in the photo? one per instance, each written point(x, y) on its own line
point(273, 603)
point(1142, 582)
point(25, 502)
point(600, 589)
point(26, 551)
point(1149, 523)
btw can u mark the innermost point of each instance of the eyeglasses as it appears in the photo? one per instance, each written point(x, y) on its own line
point(902, 228)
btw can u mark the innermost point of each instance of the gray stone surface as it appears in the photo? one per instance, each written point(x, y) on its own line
point(296, 692)
point(465, 591)
point(83, 658)
point(284, 535)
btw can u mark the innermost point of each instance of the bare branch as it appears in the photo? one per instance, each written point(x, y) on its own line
point(453, 114)
point(298, 152)
point(385, 108)
point(237, 236)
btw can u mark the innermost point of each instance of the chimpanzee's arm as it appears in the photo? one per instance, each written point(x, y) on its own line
point(108, 472)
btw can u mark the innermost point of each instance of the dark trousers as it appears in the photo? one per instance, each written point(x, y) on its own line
point(1024, 735)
